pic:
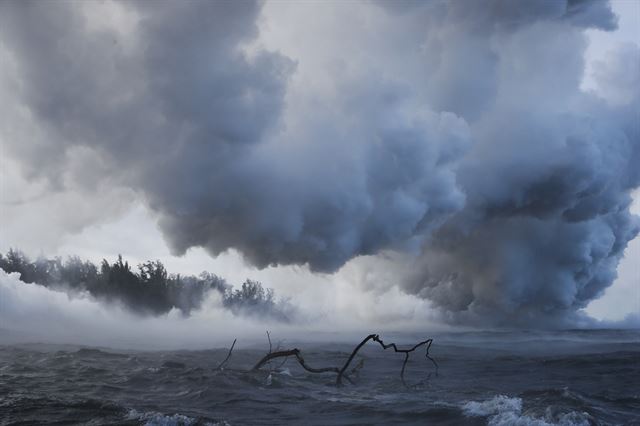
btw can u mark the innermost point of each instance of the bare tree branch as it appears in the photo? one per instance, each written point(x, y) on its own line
point(406, 352)
point(221, 365)
point(293, 352)
point(353, 354)
point(283, 359)
point(341, 373)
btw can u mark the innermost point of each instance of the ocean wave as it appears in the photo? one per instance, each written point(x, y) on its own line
point(502, 410)
point(152, 418)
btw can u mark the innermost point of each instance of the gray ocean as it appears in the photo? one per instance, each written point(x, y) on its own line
point(584, 377)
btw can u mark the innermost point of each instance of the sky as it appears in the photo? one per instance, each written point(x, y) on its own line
point(400, 162)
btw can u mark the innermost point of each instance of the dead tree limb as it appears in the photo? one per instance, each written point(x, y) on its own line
point(282, 363)
point(427, 343)
point(341, 373)
point(221, 365)
point(353, 354)
point(376, 338)
point(293, 352)
point(284, 358)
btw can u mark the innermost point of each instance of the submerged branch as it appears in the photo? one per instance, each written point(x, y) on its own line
point(353, 354)
point(221, 365)
point(296, 353)
point(376, 338)
point(427, 343)
point(341, 373)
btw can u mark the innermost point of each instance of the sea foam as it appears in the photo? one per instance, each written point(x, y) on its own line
point(502, 410)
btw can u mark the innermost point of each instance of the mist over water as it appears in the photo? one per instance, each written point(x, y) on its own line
point(67, 357)
point(35, 313)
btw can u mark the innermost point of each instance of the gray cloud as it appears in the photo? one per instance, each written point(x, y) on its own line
point(548, 184)
point(492, 15)
point(189, 120)
point(454, 131)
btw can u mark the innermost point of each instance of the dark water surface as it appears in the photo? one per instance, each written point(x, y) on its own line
point(495, 378)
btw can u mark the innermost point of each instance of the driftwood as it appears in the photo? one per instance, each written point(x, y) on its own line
point(406, 352)
point(341, 372)
point(301, 361)
point(269, 339)
point(221, 365)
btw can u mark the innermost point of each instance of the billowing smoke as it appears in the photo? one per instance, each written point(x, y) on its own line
point(454, 132)
point(548, 179)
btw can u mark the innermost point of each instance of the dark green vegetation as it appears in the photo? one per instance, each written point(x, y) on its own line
point(148, 290)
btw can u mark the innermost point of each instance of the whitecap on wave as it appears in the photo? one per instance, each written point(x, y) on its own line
point(502, 410)
point(152, 418)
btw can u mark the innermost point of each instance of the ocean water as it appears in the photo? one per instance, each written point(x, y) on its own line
point(587, 377)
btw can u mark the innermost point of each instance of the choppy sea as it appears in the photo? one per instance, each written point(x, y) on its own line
point(585, 377)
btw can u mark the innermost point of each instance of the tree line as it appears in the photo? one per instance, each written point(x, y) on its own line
point(149, 289)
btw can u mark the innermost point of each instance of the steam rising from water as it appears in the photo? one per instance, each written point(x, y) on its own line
point(34, 313)
point(453, 133)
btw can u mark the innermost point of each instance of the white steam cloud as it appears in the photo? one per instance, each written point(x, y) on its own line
point(34, 313)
